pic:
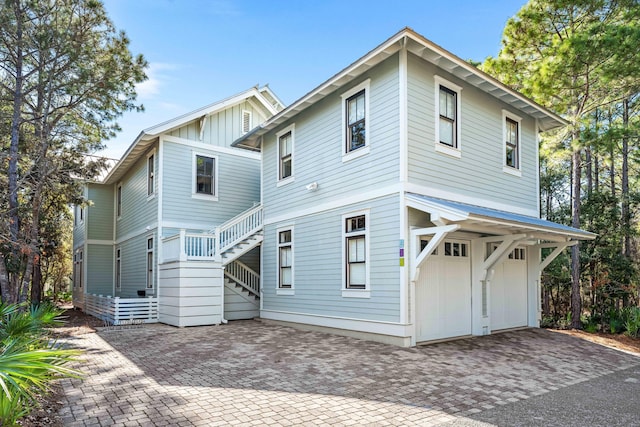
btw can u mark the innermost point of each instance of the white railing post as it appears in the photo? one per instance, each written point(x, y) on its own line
point(183, 243)
point(116, 307)
point(217, 244)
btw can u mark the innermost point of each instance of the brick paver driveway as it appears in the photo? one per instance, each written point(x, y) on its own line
point(248, 373)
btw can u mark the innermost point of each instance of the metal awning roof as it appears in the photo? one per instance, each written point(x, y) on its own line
point(493, 221)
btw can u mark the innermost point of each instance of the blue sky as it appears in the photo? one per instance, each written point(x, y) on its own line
point(201, 51)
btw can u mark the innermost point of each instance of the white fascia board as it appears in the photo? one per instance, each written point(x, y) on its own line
point(437, 210)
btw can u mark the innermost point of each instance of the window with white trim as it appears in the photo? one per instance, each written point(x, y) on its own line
point(447, 114)
point(356, 248)
point(511, 131)
point(118, 272)
point(150, 263)
point(247, 119)
point(151, 185)
point(205, 176)
point(456, 249)
point(285, 154)
point(119, 201)
point(78, 269)
point(285, 258)
point(355, 113)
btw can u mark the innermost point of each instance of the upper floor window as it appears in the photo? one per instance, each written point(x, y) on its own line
point(119, 201)
point(285, 154)
point(205, 177)
point(356, 123)
point(356, 259)
point(447, 117)
point(151, 175)
point(246, 121)
point(511, 135)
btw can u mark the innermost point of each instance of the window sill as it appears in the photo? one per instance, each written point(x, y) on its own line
point(449, 151)
point(512, 171)
point(285, 291)
point(362, 151)
point(285, 181)
point(204, 197)
point(356, 293)
point(151, 196)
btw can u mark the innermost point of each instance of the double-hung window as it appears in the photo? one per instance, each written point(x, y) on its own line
point(285, 261)
point(285, 154)
point(447, 108)
point(356, 125)
point(150, 263)
point(511, 130)
point(205, 185)
point(356, 261)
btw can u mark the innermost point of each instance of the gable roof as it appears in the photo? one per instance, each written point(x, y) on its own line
point(425, 49)
point(268, 100)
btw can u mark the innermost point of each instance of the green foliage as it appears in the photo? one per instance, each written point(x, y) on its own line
point(29, 360)
point(632, 321)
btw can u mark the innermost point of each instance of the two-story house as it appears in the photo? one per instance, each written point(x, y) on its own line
point(400, 201)
point(150, 226)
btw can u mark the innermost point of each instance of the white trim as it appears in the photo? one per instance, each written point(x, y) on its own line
point(357, 293)
point(456, 150)
point(516, 171)
point(98, 242)
point(403, 113)
point(153, 262)
point(291, 178)
point(194, 171)
point(160, 200)
point(279, 290)
point(155, 174)
point(536, 132)
point(135, 234)
point(117, 273)
point(240, 152)
point(350, 155)
point(347, 200)
point(242, 128)
point(348, 323)
point(455, 197)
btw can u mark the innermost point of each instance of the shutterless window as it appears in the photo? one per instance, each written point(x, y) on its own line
point(285, 279)
point(150, 263)
point(447, 109)
point(455, 249)
point(356, 261)
point(118, 269)
point(205, 169)
point(356, 126)
point(150, 175)
point(119, 200)
point(511, 143)
point(286, 160)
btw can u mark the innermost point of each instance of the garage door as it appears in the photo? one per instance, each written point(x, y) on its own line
point(508, 293)
point(443, 293)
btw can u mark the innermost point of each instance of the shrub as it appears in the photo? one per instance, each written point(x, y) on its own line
point(632, 321)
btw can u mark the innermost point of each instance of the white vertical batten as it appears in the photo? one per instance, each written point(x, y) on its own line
point(260, 284)
point(537, 171)
point(158, 184)
point(403, 154)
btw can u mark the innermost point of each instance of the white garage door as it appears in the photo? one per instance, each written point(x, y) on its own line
point(443, 293)
point(509, 292)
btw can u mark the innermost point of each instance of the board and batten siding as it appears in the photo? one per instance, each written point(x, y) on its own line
point(100, 213)
point(138, 210)
point(318, 265)
point(238, 187)
point(318, 147)
point(221, 128)
point(99, 261)
point(478, 173)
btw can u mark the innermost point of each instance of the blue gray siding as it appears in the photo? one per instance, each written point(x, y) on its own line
point(317, 153)
point(99, 261)
point(318, 265)
point(238, 187)
point(100, 213)
point(134, 265)
point(478, 173)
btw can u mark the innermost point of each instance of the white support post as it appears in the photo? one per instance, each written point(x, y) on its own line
point(183, 242)
point(439, 233)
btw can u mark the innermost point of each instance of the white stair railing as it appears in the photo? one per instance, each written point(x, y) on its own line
point(238, 228)
point(244, 276)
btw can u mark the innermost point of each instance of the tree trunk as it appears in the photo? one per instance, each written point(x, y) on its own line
point(36, 283)
point(626, 214)
point(576, 298)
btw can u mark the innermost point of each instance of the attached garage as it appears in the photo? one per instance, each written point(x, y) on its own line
point(508, 292)
point(443, 293)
